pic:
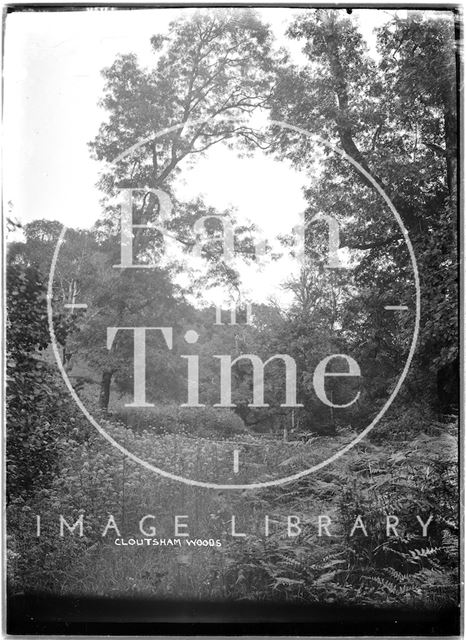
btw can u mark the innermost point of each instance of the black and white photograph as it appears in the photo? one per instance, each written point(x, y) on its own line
point(232, 319)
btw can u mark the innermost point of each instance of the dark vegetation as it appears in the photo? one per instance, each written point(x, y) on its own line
point(397, 117)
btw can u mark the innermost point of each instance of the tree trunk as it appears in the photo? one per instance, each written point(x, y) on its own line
point(104, 397)
point(346, 133)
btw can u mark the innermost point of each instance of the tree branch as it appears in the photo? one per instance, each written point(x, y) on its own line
point(363, 246)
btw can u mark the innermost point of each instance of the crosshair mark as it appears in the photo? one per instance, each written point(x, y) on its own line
point(399, 307)
point(236, 461)
point(74, 306)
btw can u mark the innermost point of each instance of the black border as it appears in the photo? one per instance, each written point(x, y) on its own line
point(51, 615)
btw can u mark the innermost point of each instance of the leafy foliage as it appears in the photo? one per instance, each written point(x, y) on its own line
point(394, 115)
point(409, 478)
point(200, 422)
point(37, 408)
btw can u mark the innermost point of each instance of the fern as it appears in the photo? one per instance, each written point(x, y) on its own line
point(424, 553)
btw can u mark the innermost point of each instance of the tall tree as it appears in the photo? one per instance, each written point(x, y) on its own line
point(396, 116)
point(210, 65)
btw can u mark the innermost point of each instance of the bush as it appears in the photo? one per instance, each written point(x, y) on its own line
point(38, 410)
point(200, 421)
point(406, 423)
point(415, 477)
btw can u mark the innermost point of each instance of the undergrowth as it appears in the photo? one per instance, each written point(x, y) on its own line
point(404, 478)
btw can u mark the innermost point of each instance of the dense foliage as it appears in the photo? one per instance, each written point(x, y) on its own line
point(376, 480)
point(395, 115)
point(37, 407)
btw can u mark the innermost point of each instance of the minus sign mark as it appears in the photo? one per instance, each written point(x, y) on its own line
point(76, 306)
point(235, 461)
point(399, 307)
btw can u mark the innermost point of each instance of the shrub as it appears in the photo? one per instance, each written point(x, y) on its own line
point(200, 421)
point(38, 412)
point(415, 477)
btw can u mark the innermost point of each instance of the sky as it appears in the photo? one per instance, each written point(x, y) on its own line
point(52, 85)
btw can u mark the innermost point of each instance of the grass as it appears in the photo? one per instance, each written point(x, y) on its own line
point(404, 477)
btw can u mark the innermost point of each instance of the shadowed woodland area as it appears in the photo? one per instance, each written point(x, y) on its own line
point(395, 114)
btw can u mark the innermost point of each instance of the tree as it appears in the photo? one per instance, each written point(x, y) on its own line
point(395, 117)
point(35, 403)
point(211, 65)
